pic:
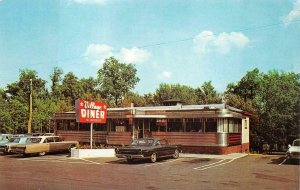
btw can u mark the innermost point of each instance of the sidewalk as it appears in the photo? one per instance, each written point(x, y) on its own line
point(227, 156)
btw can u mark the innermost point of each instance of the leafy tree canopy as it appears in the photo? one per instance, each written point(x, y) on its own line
point(116, 80)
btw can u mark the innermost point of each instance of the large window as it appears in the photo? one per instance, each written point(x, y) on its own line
point(211, 125)
point(194, 125)
point(119, 125)
point(230, 125)
point(175, 125)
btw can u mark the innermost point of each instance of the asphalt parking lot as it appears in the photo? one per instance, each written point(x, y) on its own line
point(188, 172)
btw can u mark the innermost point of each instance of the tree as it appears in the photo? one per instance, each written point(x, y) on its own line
point(17, 96)
point(71, 87)
point(273, 100)
point(116, 79)
point(247, 87)
point(207, 94)
point(56, 78)
point(278, 103)
point(174, 91)
point(89, 86)
point(134, 98)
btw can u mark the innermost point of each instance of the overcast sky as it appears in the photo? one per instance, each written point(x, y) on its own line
point(170, 41)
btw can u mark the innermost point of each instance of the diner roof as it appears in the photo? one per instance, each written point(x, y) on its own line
point(180, 107)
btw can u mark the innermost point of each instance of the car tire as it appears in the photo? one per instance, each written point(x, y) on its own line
point(153, 157)
point(176, 154)
point(42, 153)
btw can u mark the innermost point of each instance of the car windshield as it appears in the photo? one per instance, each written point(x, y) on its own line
point(33, 140)
point(296, 143)
point(16, 140)
point(143, 142)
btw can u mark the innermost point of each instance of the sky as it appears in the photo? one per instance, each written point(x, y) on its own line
point(171, 41)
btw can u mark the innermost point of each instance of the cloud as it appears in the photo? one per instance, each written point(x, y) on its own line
point(134, 55)
point(165, 75)
point(97, 53)
point(207, 42)
point(90, 2)
point(293, 14)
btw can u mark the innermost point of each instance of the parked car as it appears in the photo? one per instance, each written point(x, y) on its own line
point(13, 141)
point(148, 148)
point(44, 144)
point(4, 137)
point(294, 150)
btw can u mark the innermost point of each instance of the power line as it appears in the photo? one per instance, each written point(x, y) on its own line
point(257, 28)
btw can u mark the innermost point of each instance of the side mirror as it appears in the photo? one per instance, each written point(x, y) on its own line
point(289, 146)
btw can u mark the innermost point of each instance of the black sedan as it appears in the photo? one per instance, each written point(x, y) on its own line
point(148, 148)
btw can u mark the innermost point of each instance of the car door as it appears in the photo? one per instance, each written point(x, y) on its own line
point(43, 146)
point(53, 146)
point(167, 149)
point(161, 148)
point(60, 145)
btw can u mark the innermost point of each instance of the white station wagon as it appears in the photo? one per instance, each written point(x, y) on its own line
point(44, 144)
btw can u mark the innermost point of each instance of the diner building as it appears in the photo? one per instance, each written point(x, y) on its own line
point(210, 129)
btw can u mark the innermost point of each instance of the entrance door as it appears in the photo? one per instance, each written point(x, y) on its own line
point(140, 128)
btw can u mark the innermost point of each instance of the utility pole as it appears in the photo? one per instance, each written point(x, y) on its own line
point(30, 109)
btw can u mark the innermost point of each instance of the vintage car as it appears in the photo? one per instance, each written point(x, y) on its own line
point(294, 150)
point(148, 148)
point(4, 138)
point(44, 144)
point(13, 141)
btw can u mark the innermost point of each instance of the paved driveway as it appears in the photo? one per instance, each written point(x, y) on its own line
point(197, 172)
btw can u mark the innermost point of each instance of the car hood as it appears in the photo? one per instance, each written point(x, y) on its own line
point(294, 149)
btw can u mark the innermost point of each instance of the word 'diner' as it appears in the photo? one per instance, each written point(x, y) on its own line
point(92, 114)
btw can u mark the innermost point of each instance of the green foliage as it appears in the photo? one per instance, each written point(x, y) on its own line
point(278, 103)
point(174, 91)
point(273, 99)
point(134, 98)
point(116, 80)
point(207, 94)
point(71, 87)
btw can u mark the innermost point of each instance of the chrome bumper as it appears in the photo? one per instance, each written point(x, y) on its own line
point(130, 156)
point(293, 155)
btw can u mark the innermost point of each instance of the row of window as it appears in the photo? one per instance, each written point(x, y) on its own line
point(232, 125)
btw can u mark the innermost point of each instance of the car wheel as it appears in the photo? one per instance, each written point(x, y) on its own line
point(42, 153)
point(176, 154)
point(153, 157)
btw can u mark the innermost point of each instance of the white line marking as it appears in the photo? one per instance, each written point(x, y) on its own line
point(91, 161)
point(57, 161)
point(216, 165)
point(44, 158)
point(162, 162)
point(283, 162)
point(205, 168)
point(208, 164)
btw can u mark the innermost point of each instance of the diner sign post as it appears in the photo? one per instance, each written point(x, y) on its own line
point(90, 112)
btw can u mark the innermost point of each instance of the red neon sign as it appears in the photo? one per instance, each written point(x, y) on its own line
point(90, 111)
